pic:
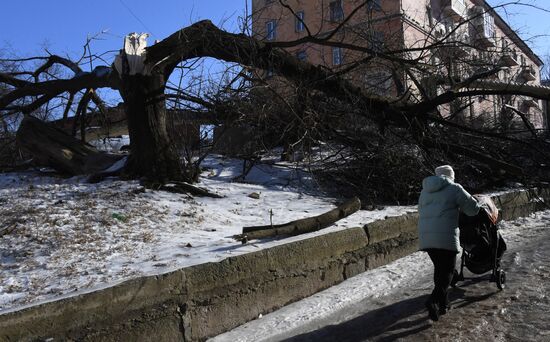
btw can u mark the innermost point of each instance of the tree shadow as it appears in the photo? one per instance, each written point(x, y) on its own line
point(396, 321)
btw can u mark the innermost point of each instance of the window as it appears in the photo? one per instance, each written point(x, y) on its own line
point(374, 5)
point(299, 24)
point(301, 55)
point(336, 11)
point(337, 56)
point(488, 25)
point(377, 41)
point(271, 30)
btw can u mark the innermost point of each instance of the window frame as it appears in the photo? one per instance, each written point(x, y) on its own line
point(336, 11)
point(301, 55)
point(337, 56)
point(299, 23)
point(488, 25)
point(271, 33)
point(374, 5)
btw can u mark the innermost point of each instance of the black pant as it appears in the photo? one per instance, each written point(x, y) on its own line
point(444, 266)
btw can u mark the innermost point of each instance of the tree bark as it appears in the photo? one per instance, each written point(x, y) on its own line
point(52, 147)
point(301, 226)
point(186, 188)
point(152, 154)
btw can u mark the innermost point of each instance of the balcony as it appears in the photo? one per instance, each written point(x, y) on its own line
point(460, 44)
point(483, 39)
point(509, 57)
point(528, 73)
point(455, 9)
point(456, 44)
point(482, 62)
point(484, 27)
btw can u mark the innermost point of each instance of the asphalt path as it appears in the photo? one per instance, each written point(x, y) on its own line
point(480, 311)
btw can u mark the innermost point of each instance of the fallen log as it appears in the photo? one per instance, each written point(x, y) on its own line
point(186, 188)
point(305, 225)
point(52, 147)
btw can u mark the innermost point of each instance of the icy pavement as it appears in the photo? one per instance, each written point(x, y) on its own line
point(61, 237)
point(387, 303)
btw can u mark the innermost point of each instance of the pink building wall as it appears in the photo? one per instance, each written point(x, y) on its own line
point(409, 24)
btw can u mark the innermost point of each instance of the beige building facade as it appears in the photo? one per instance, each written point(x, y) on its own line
point(448, 40)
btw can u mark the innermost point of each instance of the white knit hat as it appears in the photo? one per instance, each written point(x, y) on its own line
point(445, 170)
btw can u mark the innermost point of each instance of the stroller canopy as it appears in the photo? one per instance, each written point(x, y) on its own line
point(489, 207)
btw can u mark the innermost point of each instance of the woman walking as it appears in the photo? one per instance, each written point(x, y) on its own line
point(439, 204)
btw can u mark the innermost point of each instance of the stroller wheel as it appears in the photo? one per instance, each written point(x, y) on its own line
point(501, 279)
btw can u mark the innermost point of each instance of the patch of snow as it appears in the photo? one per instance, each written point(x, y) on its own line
point(65, 237)
point(111, 144)
point(370, 284)
point(117, 166)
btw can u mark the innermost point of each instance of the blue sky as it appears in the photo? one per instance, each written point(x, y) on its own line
point(531, 20)
point(27, 26)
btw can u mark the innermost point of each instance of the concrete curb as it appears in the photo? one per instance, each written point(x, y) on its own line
point(197, 302)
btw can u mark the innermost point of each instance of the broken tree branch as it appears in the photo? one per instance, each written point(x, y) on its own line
point(482, 157)
point(51, 89)
point(186, 188)
point(52, 147)
point(306, 225)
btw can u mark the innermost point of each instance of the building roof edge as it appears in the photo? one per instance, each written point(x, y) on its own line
point(510, 31)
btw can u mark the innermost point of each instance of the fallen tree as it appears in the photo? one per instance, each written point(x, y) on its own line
point(140, 75)
point(302, 226)
point(52, 147)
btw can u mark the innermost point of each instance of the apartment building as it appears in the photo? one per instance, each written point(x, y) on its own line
point(451, 39)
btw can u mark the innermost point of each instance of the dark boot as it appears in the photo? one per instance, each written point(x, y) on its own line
point(443, 309)
point(433, 312)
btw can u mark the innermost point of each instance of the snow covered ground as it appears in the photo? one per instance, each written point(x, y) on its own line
point(346, 300)
point(60, 237)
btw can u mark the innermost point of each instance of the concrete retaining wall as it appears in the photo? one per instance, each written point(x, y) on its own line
point(204, 300)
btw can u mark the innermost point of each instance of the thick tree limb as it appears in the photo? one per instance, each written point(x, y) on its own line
point(68, 107)
point(482, 157)
point(52, 147)
point(247, 51)
point(302, 226)
point(479, 88)
point(13, 81)
point(51, 89)
point(526, 122)
point(54, 59)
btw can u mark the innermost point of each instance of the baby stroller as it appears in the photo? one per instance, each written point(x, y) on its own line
point(481, 243)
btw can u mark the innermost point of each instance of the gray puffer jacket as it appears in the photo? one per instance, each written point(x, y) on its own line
point(438, 207)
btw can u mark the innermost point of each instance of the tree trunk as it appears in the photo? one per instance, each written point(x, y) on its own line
point(152, 155)
point(306, 225)
point(52, 147)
